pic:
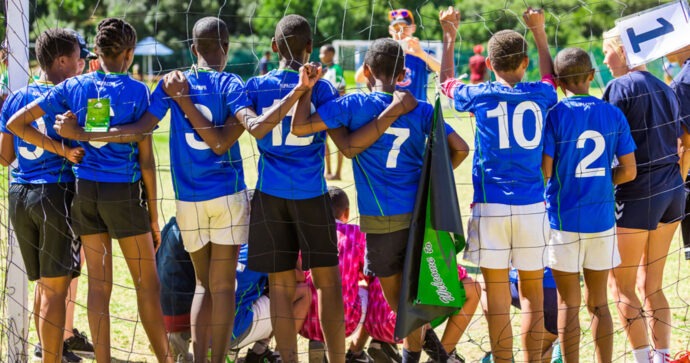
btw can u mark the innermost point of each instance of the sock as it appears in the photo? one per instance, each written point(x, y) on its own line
point(661, 356)
point(411, 357)
point(641, 355)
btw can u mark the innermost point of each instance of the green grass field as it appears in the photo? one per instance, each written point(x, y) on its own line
point(130, 342)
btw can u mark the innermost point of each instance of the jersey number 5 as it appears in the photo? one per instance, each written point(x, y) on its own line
point(501, 112)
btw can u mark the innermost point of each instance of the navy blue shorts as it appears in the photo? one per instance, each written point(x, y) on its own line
point(647, 213)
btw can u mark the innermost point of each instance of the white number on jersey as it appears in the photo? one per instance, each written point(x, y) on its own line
point(291, 139)
point(38, 152)
point(583, 169)
point(100, 144)
point(401, 134)
point(190, 137)
point(501, 112)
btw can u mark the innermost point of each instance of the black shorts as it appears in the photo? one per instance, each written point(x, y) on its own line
point(41, 221)
point(118, 209)
point(550, 306)
point(647, 213)
point(281, 228)
point(386, 252)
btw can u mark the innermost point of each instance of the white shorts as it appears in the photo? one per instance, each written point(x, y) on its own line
point(223, 220)
point(261, 327)
point(573, 251)
point(501, 235)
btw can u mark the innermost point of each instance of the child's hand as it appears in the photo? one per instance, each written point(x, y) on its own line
point(534, 18)
point(156, 235)
point(67, 126)
point(175, 84)
point(405, 99)
point(309, 74)
point(450, 20)
point(74, 154)
point(413, 46)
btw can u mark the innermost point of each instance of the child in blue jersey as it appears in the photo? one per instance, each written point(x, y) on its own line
point(650, 207)
point(386, 172)
point(110, 200)
point(508, 223)
point(583, 136)
point(42, 189)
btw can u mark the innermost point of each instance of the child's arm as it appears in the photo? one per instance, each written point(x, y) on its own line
point(20, 125)
point(626, 169)
point(450, 20)
point(7, 155)
point(218, 139)
point(685, 152)
point(416, 50)
point(458, 149)
point(147, 162)
point(546, 166)
point(67, 126)
point(534, 19)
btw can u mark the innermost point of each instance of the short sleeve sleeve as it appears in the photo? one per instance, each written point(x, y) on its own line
point(550, 134)
point(56, 101)
point(144, 102)
point(615, 95)
point(235, 95)
point(160, 102)
point(323, 92)
point(336, 113)
point(250, 91)
point(626, 144)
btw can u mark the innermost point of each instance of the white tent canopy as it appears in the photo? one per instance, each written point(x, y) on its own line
point(150, 47)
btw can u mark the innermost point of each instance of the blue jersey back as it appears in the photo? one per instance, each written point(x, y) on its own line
point(416, 77)
point(508, 141)
point(583, 134)
point(129, 99)
point(198, 173)
point(35, 165)
point(652, 111)
point(290, 167)
point(250, 285)
point(387, 173)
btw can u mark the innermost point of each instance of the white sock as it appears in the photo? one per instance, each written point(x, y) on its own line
point(641, 355)
point(661, 356)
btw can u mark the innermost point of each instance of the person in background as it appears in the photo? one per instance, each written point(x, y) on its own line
point(332, 73)
point(263, 63)
point(4, 79)
point(477, 65)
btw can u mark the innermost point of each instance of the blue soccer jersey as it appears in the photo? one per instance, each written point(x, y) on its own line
point(387, 173)
point(198, 173)
point(250, 286)
point(583, 134)
point(290, 167)
point(652, 111)
point(416, 77)
point(129, 99)
point(508, 141)
point(35, 165)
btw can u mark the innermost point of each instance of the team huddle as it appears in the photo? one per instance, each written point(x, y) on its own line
point(576, 185)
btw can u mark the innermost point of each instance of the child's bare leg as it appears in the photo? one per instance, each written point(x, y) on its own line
point(597, 304)
point(300, 305)
point(37, 309)
point(52, 320)
point(651, 280)
point(222, 285)
point(391, 291)
point(623, 290)
point(497, 296)
point(200, 314)
point(140, 257)
point(360, 340)
point(569, 298)
point(532, 302)
point(330, 291)
point(339, 166)
point(457, 324)
point(282, 294)
point(70, 302)
point(99, 263)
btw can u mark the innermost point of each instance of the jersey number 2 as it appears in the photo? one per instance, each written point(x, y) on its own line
point(584, 169)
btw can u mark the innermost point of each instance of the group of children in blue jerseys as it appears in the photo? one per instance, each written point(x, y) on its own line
point(543, 174)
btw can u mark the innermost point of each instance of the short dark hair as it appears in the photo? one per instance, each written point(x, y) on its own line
point(339, 201)
point(385, 57)
point(292, 35)
point(572, 65)
point(507, 50)
point(210, 33)
point(54, 43)
point(114, 36)
point(329, 48)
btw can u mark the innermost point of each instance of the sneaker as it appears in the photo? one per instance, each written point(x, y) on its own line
point(488, 358)
point(362, 357)
point(455, 357)
point(80, 344)
point(433, 348)
point(382, 352)
point(67, 355)
point(317, 352)
point(556, 355)
point(179, 345)
point(266, 357)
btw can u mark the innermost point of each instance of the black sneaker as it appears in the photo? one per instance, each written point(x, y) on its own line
point(266, 357)
point(67, 355)
point(362, 357)
point(80, 344)
point(433, 348)
point(382, 352)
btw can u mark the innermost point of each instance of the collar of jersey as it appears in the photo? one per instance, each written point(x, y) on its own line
point(43, 83)
point(383, 93)
point(202, 69)
point(288, 70)
point(112, 73)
